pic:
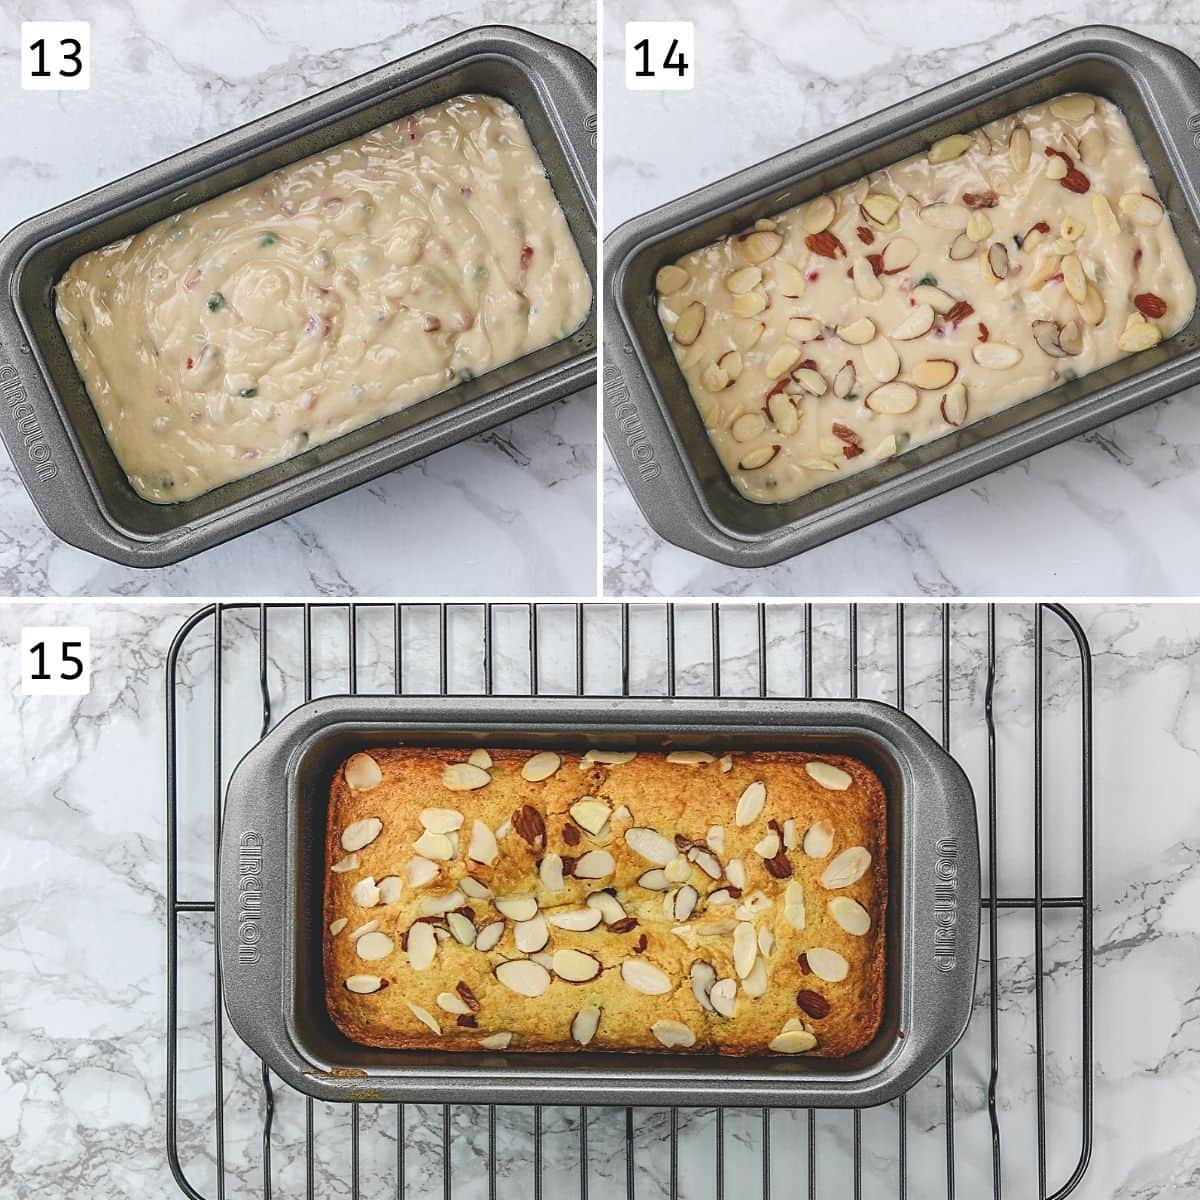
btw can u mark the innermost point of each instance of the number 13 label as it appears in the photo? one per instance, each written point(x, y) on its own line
point(658, 55)
point(55, 56)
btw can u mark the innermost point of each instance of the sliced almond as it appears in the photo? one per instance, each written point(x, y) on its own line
point(703, 976)
point(436, 846)
point(1141, 336)
point(584, 1025)
point(882, 359)
point(714, 839)
point(523, 976)
point(684, 903)
point(1092, 308)
point(464, 777)
point(886, 448)
point(1043, 269)
point(954, 404)
point(578, 920)
point(857, 333)
point(1075, 107)
point(1106, 219)
point(811, 381)
point(364, 985)
point(369, 927)
point(365, 893)
point(723, 997)
point(918, 323)
point(962, 248)
point(783, 360)
point(654, 880)
point(532, 935)
point(595, 864)
point(1071, 337)
point(677, 870)
point(979, 226)
point(899, 253)
point(714, 378)
point(948, 148)
point(1092, 146)
point(996, 356)
point(373, 946)
point(950, 217)
point(452, 1002)
point(462, 929)
point(436, 906)
point(748, 426)
point(850, 915)
point(645, 977)
point(892, 399)
point(362, 772)
point(745, 948)
point(818, 216)
point(750, 804)
point(349, 863)
point(735, 872)
point(482, 847)
point(843, 381)
point(688, 326)
point(827, 964)
point(1074, 279)
point(880, 207)
point(607, 905)
point(934, 373)
point(474, 889)
point(743, 280)
point(755, 984)
point(789, 279)
point(846, 869)
point(768, 847)
point(359, 834)
point(866, 284)
point(609, 758)
point(1045, 333)
point(420, 871)
point(749, 304)
point(782, 410)
point(541, 766)
point(496, 1041)
point(793, 1041)
point(337, 926)
point(650, 845)
point(997, 260)
point(760, 245)
point(818, 840)
point(516, 908)
point(691, 758)
point(1057, 168)
point(480, 758)
point(673, 1033)
point(440, 820)
point(746, 334)
point(670, 279)
point(804, 329)
point(706, 861)
point(1019, 147)
point(489, 936)
point(590, 814)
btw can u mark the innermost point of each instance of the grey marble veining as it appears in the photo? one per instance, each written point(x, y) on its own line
point(1104, 514)
point(513, 507)
point(82, 908)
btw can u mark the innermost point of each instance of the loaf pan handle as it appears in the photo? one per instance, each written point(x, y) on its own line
point(1174, 81)
point(252, 899)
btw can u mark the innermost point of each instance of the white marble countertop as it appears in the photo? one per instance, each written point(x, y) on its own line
point(82, 911)
point(1104, 514)
point(514, 507)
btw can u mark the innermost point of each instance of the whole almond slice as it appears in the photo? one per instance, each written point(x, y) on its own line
point(962, 248)
point(688, 326)
point(746, 334)
point(793, 904)
point(934, 373)
point(373, 946)
point(489, 936)
point(452, 1002)
point(793, 1041)
point(745, 948)
point(715, 378)
point(480, 758)
point(899, 253)
point(1046, 333)
point(749, 304)
point(691, 758)
point(673, 1033)
point(1141, 336)
point(1071, 338)
point(706, 861)
point(541, 766)
point(610, 758)
point(846, 869)
point(996, 356)
point(750, 804)
point(440, 820)
point(850, 915)
point(813, 382)
point(783, 413)
point(482, 847)
point(337, 926)
point(607, 905)
point(942, 215)
point(755, 984)
point(523, 976)
point(1074, 107)
point(654, 880)
point(804, 329)
point(758, 246)
point(517, 908)
point(650, 845)
point(360, 834)
point(882, 359)
point(918, 323)
point(880, 207)
point(365, 893)
point(754, 460)
point(843, 381)
point(893, 399)
point(364, 985)
point(473, 888)
point(590, 814)
point(645, 977)
point(349, 863)
point(595, 864)
point(462, 929)
point(684, 903)
point(1057, 167)
point(857, 333)
point(748, 426)
point(464, 777)
point(818, 216)
point(789, 279)
point(818, 840)
point(865, 282)
point(435, 846)
point(997, 260)
point(1074, 279)
point(577, 920)
point(948, 148)
point(1106, 219)
point(497, 1041)
point(783, 360)
point(362, 772)
point(1020, 147)
point(532, 935)
point(584, 1025)
point(670, 279)
point(827, 964)
point(421, 871)
point(886, 448)
point(723, 997)
point(979, 226)
point(369, 927)
point(954, 404)
point(436, 906)
point(743, 280)
point(1092, 308)
point(832, 778)
point(703, 976)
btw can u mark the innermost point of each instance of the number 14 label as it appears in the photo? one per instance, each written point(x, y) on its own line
point(658, 55)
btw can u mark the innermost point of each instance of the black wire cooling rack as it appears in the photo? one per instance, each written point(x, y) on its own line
point(1008, 691)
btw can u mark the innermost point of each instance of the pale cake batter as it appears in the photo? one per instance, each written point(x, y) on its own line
point(931, 294)
point(326, 295)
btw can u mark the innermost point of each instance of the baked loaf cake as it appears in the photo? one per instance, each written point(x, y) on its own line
point(616, 901)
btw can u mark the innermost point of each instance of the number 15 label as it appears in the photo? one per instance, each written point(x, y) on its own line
point(56, 660)
point(658, 55)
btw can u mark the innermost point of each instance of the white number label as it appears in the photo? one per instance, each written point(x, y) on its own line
point(658, 55)
point(56, 660)
point(55, 56)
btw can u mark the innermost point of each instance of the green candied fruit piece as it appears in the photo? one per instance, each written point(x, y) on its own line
point(480, 271)
point(358, 391)
point(214, 301)
point(267, 239)
point(299, 440)
point(247, 392)
point(927, 280)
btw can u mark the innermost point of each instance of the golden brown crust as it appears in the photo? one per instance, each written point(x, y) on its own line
point(676, 799)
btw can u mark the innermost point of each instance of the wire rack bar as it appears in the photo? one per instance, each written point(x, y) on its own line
point(209, 637)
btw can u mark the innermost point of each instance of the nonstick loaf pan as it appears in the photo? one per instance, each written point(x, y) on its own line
point(654, 430)
point(46, 420)
point(271, 885)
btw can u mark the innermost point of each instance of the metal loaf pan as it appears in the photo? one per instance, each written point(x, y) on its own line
point(46, 420)
point(271, 883)
point(651, 424)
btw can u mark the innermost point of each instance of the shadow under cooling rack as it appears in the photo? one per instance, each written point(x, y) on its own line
point(1008, 691)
